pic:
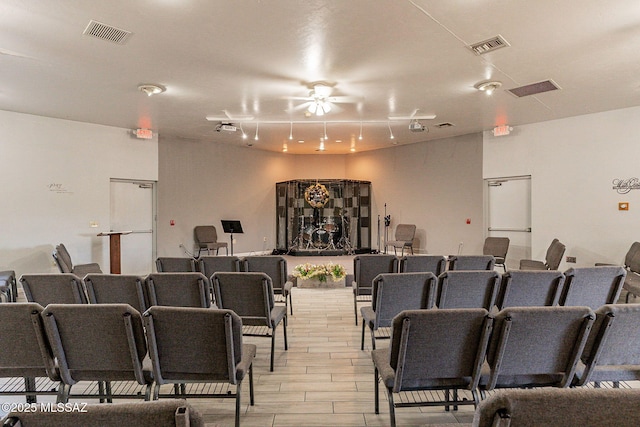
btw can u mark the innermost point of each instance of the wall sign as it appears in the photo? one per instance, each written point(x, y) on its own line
point(623, 186)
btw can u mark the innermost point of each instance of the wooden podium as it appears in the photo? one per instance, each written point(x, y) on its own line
point(114, 249)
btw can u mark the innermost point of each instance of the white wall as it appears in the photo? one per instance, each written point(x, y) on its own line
point(436, 185)
point(55, 178)
point(203, 182)
point(572, 163)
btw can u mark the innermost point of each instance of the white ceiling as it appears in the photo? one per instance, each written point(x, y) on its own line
point(247, 56)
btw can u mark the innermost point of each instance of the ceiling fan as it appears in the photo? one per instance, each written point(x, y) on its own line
point(320, 102)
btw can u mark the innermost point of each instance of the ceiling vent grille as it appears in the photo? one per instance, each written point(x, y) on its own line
point(106, 32)
point(489, 45)
point(534, 88)
point(444, 125)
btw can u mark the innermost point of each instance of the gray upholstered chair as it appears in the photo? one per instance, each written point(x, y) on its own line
point(467, 289)
point(393, 293)
point(632, 265)
point(206, 238)
point(471, 262)
point(575, 407)
point(165, 413)
point(8, 285)
point(592, 286)
point(63, 261)
point(536, 347)
point(178, 289)
point(365, 269)
point(274, 266)
point(24, 350)
point(405, 233)
point(63, 288)
point(498, 248)
point(117, 289)
point(198, 345)
point(250, 295)
point(175, 265)
point(530, 288)
point(432, 350)
point(423, 263)
point(98, 342)
point(552, 259)
point(612, 352)
point(208, 265)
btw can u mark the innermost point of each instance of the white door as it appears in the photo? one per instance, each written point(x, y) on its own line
point(133, 209)
point(509, 215)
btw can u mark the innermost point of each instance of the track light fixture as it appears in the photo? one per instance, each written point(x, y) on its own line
point(244, 135)
point(390, 131)
point(290, 131)
point(360, 137)
point(257, 125)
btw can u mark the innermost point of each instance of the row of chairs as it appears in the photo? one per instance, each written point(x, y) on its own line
point(274, 266)
point(545, 407)
point(519, 347)
point(105, 343)
point(393, 292)
point(250, 295)
point(591, 286)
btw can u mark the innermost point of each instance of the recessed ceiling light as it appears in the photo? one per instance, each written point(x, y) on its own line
point(151, 89)
point(488, 87)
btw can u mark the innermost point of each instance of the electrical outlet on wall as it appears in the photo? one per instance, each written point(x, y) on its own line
point(571, 259)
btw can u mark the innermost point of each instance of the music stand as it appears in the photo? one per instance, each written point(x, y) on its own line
point(231, 226)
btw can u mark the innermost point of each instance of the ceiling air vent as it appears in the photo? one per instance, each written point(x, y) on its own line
point(444, 125)
point(489, 45)
point(534, 88)
point(106, 32)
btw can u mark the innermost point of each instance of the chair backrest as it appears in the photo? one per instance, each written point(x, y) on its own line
point(405, 232)
point(536, 346)
point(530, 288)
point(575, 407)
point(8, 286)
point(496, 246)
point(633, 264)
point(471, 262)
point(204, 234)
point(631, 254)
point(96, 342)
point(62, 288)
point(175, 265)
point(212, 264)
point(63, 259)
point(274, 266)
point(159, 413)
point(248, 294)
point(367, 267)
point(24, 348)
point(193, 344)
point(437, 348)
point(395, 292)
point(467, 289)
point(554, 254)
point(592, 286)
point(117, 289)
point(178, 289)
point(423, 263)
point(613, 349)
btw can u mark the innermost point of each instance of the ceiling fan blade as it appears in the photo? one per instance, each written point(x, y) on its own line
point(345, 99)
point(299, 107)
point(298, 98)
point(422, 117)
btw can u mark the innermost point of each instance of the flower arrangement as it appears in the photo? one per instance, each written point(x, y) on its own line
point(320, 271)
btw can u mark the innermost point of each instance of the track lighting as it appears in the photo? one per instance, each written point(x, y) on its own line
point(390, 131)
point(244, 135)
point(257, 125)
point(290, 131)
point(360, 137)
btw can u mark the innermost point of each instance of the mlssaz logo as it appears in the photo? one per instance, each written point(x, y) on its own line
point(623, 186)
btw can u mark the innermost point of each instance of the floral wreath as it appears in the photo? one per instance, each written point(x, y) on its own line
point(316, 195)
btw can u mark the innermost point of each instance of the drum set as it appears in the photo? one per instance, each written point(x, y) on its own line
point(328, 233)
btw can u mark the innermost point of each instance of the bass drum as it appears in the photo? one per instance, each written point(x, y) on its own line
point(320, 238)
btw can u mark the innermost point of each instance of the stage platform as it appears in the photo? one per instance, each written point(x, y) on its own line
point(327, 252)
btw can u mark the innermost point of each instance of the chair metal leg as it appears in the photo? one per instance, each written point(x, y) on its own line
point(373, 339)
point(251, 399)
point(30, 388)
point(290, 303)
point(392, 408)
point(447, 399)
point(376, 387)
point(156, 391)
point(355, 306)
point(238, 406)
point(273, 345)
